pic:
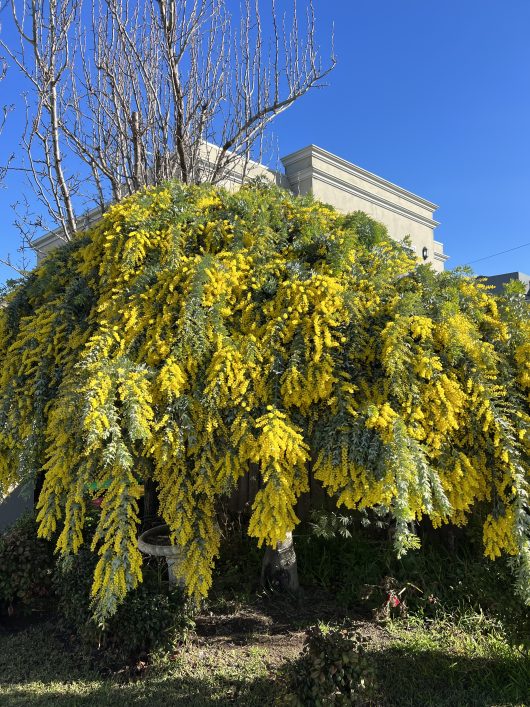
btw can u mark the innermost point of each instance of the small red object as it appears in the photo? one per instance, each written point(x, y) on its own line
point(393, 600)
point(96, 502)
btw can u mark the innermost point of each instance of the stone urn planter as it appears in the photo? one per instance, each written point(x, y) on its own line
point(156, 542)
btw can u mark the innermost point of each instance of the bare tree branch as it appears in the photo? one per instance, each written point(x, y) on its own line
point(7, 262)
point(43, 56)
point(4, 112)
point(130, 93)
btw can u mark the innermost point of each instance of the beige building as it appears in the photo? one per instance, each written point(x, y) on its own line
point(349, 188)
point(343, 185)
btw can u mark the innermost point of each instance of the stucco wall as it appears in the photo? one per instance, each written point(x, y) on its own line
point(350, 188)
point(339, 183)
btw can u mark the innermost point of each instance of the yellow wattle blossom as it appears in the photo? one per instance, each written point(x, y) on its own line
point(194, 336)
point(382, 419)
point(498, 535)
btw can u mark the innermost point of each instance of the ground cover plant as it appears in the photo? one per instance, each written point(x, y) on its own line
point(152, 617)
point(193, 333)
point(26, 567)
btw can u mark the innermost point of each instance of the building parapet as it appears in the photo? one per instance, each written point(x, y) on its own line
point(498, 281)
point(348, 187)
point(333, 180)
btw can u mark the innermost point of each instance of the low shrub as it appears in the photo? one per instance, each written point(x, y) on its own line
point(152, 617)
point(334, 669)
point(449, 575)
point(26, 567)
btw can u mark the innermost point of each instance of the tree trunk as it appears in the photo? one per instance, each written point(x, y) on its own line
point(279, 569)
point(150, 504)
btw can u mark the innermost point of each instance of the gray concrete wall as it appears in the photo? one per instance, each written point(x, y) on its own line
point(498, 281)
point(17, 502)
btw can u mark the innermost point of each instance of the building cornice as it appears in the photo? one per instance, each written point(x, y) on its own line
point(41, 242)
point(439, 252)
point(316, 165)
point(333, 160)
point(241, 168)
point(83, 222)
point(362, 194)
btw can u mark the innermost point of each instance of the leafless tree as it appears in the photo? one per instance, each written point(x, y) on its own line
point(19, 268)
point(126, 94)
point(45, 57)
point(4, 111)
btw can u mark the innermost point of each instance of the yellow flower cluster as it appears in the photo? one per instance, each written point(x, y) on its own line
point(522, 356)
point(171, 381)
point(194, 335)
point(382, 419)
point(498, 535)
point(282, 454)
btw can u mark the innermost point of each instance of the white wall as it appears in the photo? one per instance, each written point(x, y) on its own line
point(339, 183)
point(349, 188)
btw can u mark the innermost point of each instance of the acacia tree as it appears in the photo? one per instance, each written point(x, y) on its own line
point(194, 333)
point(128, 94)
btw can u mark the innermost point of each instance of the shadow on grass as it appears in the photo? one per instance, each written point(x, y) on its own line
point(174, 691)
point(35, 669)
point(439, 678)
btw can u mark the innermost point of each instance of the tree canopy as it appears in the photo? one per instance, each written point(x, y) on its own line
point(195, 332)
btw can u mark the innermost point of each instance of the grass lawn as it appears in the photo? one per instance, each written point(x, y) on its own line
point(36, 670)
point(244, 652)
point(457, 638)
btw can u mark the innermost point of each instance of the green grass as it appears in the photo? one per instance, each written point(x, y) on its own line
point(444, 663)
point(35, 669)
point(418, 664)
point(457, 643)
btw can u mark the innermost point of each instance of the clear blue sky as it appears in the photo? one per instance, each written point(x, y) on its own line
point(434, 96)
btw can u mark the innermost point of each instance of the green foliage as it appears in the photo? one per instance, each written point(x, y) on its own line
point(334, 669)
point(328, 524)
point(448, 581)
point(515, 289)
point(151, 618)
point(195, 334)
point(26, 566)
point(8, 286)
point(368, 231)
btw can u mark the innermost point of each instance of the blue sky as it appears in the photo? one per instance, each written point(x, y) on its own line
point(432, 96)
